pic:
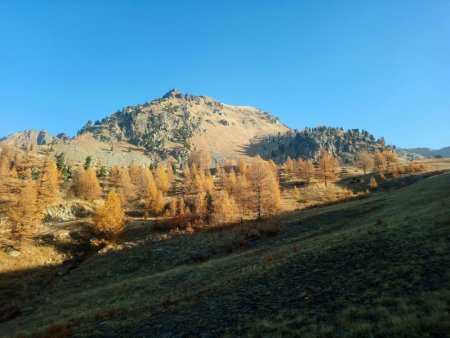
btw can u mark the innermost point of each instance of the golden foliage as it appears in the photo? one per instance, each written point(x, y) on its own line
point(126, 187)
point(390, 157)
point(327, 166)
point(201, 205)
point(144, 183)
point(161, 178)
point(264, 187)
point(364, 160)
point(289, 166)
point(24, 212)
point(373, 182)
point(304, 169)
point(85, 184)
point(379, 160)
point(242, 166)
point(110, 218)
point(225, 209)
point(48, 186)
point(155, 205)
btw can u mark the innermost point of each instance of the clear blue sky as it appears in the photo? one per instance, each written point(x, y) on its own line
point(383, 66)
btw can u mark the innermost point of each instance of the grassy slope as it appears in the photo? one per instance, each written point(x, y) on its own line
point(373, 267)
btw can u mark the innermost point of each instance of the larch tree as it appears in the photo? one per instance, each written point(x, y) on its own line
point(264, 187)
point(155, 205)
point(187, 180)
point(48, 184)
point(200, 205)
point(225, 209)
point(110, 218)
point(304, 169)
point(114, 176)
point(365, 161)
point(230, 182)
point(327, 166)
point(273, 167)
point(161, 178)
point(126, 187)
point(390, 157)
point(24, 212)
point(86, 185)
point(133, 171)
point(145, 183)
point(379, 160)
point(242, 194)
point(289, 166)
point(173, 208)
point(208, 182)
point(242, 166)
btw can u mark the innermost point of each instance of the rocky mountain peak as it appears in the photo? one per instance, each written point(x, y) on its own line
point(173, 93)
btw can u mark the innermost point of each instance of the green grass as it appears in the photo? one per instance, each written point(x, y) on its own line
point(376, 267)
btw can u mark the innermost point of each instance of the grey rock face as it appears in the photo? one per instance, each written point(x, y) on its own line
point(44, 138)
point(67, 212)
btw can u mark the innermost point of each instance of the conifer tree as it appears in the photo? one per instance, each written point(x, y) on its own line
point(161, 178)
point(230, 182)
point(304, 169)
point(145, 183)
point(133, 171)
point(200, 206)
point(242, 194)
point(242, 166)
point(273, 167)
point(24, 213)
point(86, 185)
point(364, 160)
point(48, 186)
point(289, 166)
point(114, 176)
point(110, 218)
point(379, 159)
point(264, 186)
point(225, 209)
point(327, 166)
point(126, 188)
point(390, 157)
point(155, 205)
point(173, 208)
point(188, 182)
point(208, 182)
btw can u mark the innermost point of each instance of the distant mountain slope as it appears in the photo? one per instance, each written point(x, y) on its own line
point(177, 123)
point(428, 152)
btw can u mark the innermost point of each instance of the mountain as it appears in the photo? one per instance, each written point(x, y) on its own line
point(176, 124)
point(428, 152)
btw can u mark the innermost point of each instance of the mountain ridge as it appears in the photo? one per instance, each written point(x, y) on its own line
point(175, 124)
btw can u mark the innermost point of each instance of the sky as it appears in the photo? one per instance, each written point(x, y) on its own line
point(383, 66)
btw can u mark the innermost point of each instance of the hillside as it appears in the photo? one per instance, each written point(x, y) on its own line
point(177, 123)
point(370, 267)
point(307, 143)
point(428, 152)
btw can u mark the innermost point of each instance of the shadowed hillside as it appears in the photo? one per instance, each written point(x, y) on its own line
point(377, 266)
